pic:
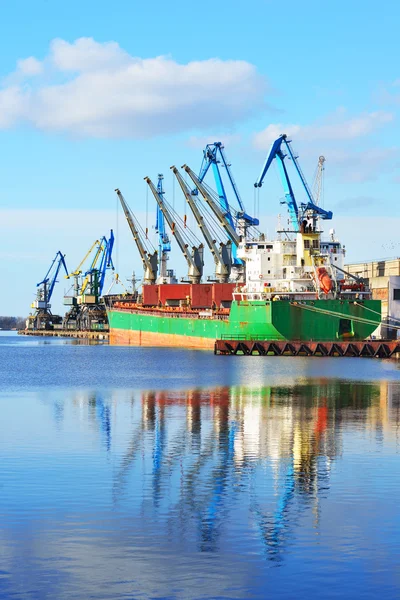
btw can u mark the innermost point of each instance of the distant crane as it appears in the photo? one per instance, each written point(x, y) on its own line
point(42, 317)
point(309, 209)
point(222, 255)
point(95, 276)
point(319, 181)
point(149, 256)
point(194, 258)
point(87, 309)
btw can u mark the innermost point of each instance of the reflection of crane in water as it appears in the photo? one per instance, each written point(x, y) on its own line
point(127, 462)
point(213, 511)
point(165, 461)
point(158, 452)
point(103, 414)
point(99, 414)
point(209, 506)
point(153, 422)
point(305, 478)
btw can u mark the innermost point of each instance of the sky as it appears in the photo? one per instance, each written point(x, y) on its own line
point(97, 95)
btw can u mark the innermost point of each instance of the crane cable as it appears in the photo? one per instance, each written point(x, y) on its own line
point(376, 312)
point(342, 315)
point(117, 233)
point(147, 210)
point(173, 190)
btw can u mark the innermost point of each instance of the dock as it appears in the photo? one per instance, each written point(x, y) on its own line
point(363, 349)
point(68, 333)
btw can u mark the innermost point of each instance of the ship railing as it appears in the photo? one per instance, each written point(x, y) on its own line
point(276, 294)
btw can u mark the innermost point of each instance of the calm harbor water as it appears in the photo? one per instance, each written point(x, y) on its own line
point(159, 473)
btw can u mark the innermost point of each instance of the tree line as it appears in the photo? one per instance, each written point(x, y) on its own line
point(12, 323)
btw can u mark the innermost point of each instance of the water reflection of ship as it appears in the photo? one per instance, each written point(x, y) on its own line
point(296, 430)
point(228, 451)
point(207, 447)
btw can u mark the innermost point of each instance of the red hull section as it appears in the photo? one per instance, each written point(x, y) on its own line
point(125, 337)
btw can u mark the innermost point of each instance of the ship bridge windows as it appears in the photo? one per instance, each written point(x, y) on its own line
point(265, 247)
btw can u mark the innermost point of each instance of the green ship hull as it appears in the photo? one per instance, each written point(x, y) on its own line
point(318, 320)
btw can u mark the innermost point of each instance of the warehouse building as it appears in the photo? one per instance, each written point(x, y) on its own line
point(383, 278)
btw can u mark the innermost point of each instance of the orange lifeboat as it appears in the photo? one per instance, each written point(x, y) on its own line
point(324, 280)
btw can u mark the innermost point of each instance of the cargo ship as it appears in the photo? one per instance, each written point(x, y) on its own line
point(290, 293)
point(293, 287)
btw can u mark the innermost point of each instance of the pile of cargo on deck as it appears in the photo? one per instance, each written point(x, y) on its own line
point(202, 295)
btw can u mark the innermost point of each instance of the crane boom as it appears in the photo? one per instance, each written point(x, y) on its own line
point(195, 261)
point(106, 261)
point(88, 275)
point(78, 269)
point(222, 255)
point(164, 244)
point(210, 158)
point(224, 222)
point(149, 260)
point(296, 216)
point(49, 287)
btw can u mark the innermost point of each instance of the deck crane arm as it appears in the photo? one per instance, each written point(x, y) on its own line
point(222, 257)
point(149, 260)
point(277, 153)
point(49, 280)
point(194, 267)
point(164, 244)
point(210, 158)
point(224, 222)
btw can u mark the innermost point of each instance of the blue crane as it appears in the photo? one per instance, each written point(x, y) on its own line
point(42, 317)
point(106, 260)
point(87, 310)
point(50, 280)
point(310, 208)
point(214, 156)
point(164, 244)
point(95, 275)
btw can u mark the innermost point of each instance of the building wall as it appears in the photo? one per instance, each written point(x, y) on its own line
point(383, 278)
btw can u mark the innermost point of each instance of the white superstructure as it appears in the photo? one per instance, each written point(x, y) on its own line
point(291, 263)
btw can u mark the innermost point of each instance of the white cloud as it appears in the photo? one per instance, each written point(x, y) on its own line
point(201, 141)
point(86, 55)
point(336, 127)
point(99, 90)
point(29, 66)
point(12, 105)
point(365, 165)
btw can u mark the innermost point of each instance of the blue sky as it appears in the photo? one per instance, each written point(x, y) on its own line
point(96, 95)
